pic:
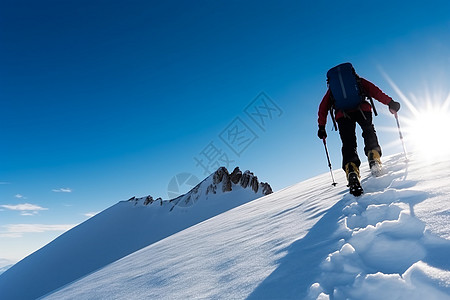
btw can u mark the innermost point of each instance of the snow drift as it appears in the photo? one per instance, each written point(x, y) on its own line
point(308, 241)
point(123, 229)
point(5, 264)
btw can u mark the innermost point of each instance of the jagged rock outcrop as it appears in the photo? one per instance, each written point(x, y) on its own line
point(220, 180)
point(246, 179)
point(236, 175)
point(266, 188)
point(148, 200)
point(222, 175)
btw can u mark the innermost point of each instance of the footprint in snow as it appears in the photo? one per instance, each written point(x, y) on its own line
point(381, 247)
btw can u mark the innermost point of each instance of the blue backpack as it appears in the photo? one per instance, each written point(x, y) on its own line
point(345, 87)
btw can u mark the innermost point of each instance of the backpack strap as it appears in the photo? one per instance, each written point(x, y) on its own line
point(332, 109)
point(365, 95)
point(373, 106)
point(333, 117)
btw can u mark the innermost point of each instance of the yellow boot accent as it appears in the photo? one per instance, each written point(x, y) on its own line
point(375, 162)
point(373, 155)
point(351, 168)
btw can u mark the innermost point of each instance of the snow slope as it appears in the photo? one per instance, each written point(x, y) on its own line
point(123, 229)
point(3, 269)
point(5, 264)
point(308, 241)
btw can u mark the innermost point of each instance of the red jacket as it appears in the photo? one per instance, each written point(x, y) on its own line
point(371, 89)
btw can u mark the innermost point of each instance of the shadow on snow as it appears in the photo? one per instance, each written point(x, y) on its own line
point(298, 269)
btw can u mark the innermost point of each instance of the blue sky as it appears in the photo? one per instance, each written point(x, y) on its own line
point(105, 100)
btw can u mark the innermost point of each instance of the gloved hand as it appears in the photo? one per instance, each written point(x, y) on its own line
point(322, 133)
point(394, 106)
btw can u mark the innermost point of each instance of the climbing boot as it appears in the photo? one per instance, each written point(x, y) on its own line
point(352, 172)
point(375, 162)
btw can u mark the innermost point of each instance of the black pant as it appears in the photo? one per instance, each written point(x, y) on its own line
point(347, 127)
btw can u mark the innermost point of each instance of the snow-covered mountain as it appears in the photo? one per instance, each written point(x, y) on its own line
point(123, 229)
point(220, 181)
point(308, 241)
point(5, 264)
point(3, 269)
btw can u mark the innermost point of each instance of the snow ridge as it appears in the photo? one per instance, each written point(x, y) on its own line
point(308, 241)
point(221, 181)
point(3, 269)
point(383, 246)
point(123, 229)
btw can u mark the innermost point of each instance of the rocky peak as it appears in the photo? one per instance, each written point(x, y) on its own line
point(246, 179)
point(220, 180)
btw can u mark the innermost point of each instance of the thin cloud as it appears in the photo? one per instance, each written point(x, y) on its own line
point(62, 190)
point(10, 235)
point(18, 230)
point(27, 213)
point(4, 182)
point(20, 196)
point(24, 207)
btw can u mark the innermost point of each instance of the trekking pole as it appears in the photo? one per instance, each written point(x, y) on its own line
point(401, 136)
point(329, 162)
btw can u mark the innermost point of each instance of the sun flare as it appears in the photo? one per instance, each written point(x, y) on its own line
point(427, 121)
point(427, 132)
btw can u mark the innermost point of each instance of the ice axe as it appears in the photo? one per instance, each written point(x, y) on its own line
point(329, 162)
point(401, 135)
